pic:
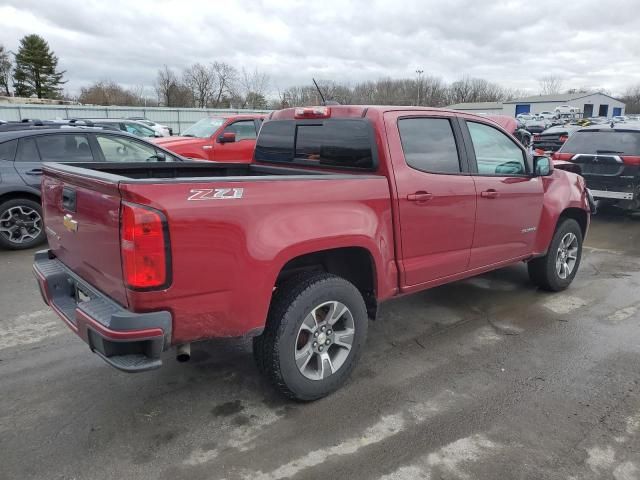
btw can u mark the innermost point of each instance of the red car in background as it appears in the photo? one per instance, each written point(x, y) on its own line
point(221, 139)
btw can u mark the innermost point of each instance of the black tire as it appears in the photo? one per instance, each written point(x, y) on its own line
point(28, 205)
point(543, 271)
point(275, 349)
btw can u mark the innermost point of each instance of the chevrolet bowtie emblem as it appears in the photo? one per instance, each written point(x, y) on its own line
point(69, 223)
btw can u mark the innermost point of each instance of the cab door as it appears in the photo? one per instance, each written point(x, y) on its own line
point(28, 163)
point(509, 198)
point(436, 196)
point(240, 150)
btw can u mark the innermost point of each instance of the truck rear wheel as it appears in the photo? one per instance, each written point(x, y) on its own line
point(315, 331)
point(557, 269)
point(21, 224)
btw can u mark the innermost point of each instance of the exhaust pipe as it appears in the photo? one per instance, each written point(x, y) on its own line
point(183, 352)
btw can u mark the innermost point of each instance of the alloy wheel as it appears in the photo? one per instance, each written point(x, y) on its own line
point(324, 340)
point(20, 224)
point(567, 255)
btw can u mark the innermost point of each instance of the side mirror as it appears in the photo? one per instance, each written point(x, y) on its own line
point(160, 156)
point(542, 166)
point(227, 137)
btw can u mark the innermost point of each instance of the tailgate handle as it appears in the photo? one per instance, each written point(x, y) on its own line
point(69, 199)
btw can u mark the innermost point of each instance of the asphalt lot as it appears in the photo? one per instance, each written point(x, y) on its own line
point(486, 378)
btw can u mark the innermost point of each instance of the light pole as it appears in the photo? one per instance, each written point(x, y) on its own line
point(419, 73)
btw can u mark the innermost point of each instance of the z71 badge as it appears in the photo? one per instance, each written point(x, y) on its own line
point(215, 193)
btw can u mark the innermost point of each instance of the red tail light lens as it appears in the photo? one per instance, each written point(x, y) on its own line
point(562, 156)
point(563, 138)
point(313, 112)
point(143, 247)
point(631, 159)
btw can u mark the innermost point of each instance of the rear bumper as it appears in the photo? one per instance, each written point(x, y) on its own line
point(132, 342)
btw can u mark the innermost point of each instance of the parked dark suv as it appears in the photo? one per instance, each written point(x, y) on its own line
point(610, 161)
point(22, 152)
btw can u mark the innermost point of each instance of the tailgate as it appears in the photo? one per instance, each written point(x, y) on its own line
point(82, 220)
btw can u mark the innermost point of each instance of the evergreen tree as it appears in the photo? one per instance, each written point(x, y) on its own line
point(36, 69)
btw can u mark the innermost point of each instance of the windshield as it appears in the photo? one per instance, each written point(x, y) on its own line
point(613, 142)
point(204, 128)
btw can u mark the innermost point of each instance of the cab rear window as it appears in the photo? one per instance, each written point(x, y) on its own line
point(338, 143)
point(604, 142)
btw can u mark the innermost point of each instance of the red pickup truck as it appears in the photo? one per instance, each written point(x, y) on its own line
point(343, 207)
point(221, 139)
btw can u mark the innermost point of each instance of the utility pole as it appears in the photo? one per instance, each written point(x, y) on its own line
point(419, 73)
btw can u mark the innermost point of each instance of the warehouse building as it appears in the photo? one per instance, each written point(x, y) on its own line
point(595, 104)
point(493, 108)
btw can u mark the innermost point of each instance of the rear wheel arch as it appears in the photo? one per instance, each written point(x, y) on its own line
point(355, 264)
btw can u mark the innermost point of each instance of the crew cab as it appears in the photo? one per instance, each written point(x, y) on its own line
point(609, 158)
point(220, 139)
point(343, 207)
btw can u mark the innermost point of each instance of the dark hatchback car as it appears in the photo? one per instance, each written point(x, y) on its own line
point(609, 158)
point(22, 152)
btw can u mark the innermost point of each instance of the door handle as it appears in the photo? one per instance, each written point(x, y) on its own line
point(35, 171)
point(491, 193)
point(420, 197)
point(207, 147)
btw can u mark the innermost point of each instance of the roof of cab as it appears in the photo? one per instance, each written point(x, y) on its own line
point(361, 110)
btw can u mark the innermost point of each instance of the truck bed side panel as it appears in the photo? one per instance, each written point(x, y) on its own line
point(227, 253)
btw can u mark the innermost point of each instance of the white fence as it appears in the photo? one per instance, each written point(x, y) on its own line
point(176, 118)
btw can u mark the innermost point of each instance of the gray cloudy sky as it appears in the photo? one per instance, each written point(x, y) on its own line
point(595, 44)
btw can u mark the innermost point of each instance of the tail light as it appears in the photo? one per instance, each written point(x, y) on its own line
point(631, 160)
point(313, 112)
point(562, 156)
point(563, 138)
point(144, 246)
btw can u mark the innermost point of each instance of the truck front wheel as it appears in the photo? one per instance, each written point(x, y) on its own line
point(315, 330)
point(556, 270)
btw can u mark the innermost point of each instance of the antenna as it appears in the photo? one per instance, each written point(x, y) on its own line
point(319, 91)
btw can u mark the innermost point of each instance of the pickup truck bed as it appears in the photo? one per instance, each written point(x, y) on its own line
point(343, 208)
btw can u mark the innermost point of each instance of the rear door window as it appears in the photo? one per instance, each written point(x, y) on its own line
point(123, 149)
point(8, 150)
point(27, 151)
point(602, 143)
point(429, 145)
point(330, 143)
point(64, 148)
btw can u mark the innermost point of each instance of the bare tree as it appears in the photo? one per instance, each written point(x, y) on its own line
point(632, 99)
point(201, 80)
point(5, 70)
point(254, 87)
point(225, 76)
point(550, 85)
point(109, 93)
point(171, 92)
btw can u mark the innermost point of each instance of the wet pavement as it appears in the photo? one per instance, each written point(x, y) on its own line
point(486, 378)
